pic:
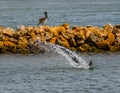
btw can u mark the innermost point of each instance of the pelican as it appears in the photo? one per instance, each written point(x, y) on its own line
point(44, 19)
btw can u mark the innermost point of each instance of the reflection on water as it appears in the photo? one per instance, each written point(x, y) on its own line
point(52, 73)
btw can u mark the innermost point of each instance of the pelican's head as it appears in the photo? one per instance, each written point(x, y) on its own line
point(45, 13)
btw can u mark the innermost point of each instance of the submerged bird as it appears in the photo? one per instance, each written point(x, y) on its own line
point(91, 64)
point(44, 19)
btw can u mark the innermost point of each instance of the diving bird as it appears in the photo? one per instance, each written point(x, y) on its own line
point(43, 20)
point(91, 64)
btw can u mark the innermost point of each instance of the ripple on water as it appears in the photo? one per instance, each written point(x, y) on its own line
point(52, 73)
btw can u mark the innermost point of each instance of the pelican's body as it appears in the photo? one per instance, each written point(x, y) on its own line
point(43, 20)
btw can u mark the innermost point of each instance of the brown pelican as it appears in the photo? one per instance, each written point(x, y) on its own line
point(44, 19)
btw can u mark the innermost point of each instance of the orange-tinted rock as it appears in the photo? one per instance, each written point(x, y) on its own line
point(53, 40)
point(29, 28)
point(118, 34)
point(1, 44)
point(9, 44)
point(8, 31)
point(111, 38)
point(66, 26)
point(72, 42)
point(1, 37)
point(56, 30)
point(21, 31)
point(118, 39)
point(93, 30)
point(22, 44)
point(56, 33)
point(108, 28)
point(42, 38)
point(78, 30)
point(83, 48)
point(10, 47)
point(87, 38)
point(62, 41)
point(116, 29)
point(67, 34)
point(23, 40)
point(105, 44)
point(114, 48)
point(2, 47)
point(87, 33)
point(13, 40)
point(93, 49)
point(22, 49)
point(5, 38)
point(38, 30)
point(79, 38)
point(48, 36)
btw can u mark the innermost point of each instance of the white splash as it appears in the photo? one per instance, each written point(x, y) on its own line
point(72, 57)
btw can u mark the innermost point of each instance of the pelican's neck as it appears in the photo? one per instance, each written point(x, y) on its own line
point(46, 15)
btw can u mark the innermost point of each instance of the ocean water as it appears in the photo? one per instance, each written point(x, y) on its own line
point(51, 72)
point(14, 13)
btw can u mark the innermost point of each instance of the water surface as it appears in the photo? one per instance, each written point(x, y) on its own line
point(52, 73)
point(78, 12)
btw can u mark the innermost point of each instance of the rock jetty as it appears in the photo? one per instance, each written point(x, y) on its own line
point(79, 38)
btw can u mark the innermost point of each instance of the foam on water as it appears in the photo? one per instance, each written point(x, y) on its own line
point(72, 57)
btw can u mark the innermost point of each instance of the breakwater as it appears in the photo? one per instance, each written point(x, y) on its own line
point(83, 39)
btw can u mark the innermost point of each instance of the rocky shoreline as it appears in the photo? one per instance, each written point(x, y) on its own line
point(78, 38)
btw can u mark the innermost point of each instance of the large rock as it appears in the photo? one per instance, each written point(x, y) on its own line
point(48, 36)
point(66, 26)
point(80, 38)
point(118, 35)
point(116, 29)
point(115, 48)
point(53, 40)
point(10, 46)
point(110, 38)
point(5, 38)
point(91, 29)
point(108, 28)
point(105, 44)
point(83, 48)
point(55, 31)
point(116, 32)
point(67, 34)
point(62, 41)
point(92, 39)
point(118, 39)
point(22, 41)
point(8, 31)
point(78, 30)
point(2, 47)
point(72, 42)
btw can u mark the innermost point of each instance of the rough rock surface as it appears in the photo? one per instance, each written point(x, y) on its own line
point(83, 39)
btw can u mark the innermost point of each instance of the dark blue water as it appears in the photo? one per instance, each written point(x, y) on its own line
point(14, 13)
point(52, 73)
